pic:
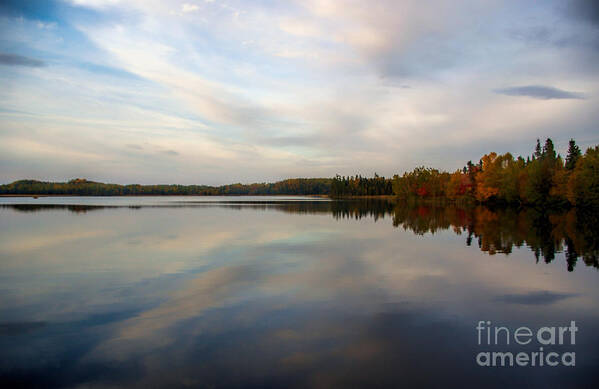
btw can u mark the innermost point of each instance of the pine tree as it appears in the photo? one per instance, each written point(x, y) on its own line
point(549, 149)
point(538, 153)
point(573, 155)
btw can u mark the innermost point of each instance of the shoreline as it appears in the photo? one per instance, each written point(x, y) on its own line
point(165, 195)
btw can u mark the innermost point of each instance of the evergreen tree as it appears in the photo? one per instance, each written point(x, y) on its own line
point(549, 150)
point(573, 155)
point(538, 153)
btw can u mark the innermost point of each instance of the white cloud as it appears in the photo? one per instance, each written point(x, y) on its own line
point(187, 8)
point(95, 3)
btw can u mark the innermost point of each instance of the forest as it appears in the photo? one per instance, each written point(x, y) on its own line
point(544, 179)
point(83, 187)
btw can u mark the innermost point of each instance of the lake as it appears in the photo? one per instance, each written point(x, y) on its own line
point(293, 292)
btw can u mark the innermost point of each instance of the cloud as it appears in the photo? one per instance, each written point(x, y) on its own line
point(134, 146)
point(95, 3)
point(19, 60)
point(189, 8)
point(47, 26)
point(540, 92)
point(399, 39)
point(584, 10)
point(171, 152)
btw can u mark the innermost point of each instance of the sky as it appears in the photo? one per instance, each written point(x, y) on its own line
point(221, 91)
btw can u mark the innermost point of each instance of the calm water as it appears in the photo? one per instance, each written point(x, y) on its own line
point(287, 292)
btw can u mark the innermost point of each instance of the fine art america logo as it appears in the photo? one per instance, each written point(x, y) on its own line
point(550, 337)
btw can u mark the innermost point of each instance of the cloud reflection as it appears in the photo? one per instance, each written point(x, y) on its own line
point(272, 296)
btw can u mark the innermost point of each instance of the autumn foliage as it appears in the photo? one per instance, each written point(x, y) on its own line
point(542, 179)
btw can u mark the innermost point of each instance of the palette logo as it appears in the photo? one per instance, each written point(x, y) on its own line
point(555, 338)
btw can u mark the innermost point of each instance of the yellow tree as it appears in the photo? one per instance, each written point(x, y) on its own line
point(583, 184)
point(488, 178)
point(559, 187)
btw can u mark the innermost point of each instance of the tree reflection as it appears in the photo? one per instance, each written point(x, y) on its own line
point(500, 230)
point(495, 230)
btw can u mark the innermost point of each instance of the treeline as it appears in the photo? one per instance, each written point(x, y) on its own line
point(82, 187)
point(543, 179)
point(361, 186)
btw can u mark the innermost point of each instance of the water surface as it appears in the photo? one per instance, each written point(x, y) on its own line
point(285, 292)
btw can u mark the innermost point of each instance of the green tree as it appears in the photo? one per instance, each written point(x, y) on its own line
point(573, 155)
point(538, 151)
